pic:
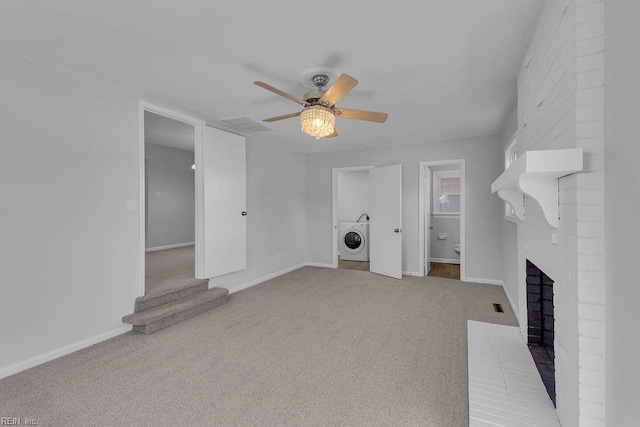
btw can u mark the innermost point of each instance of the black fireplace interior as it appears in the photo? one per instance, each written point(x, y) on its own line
point(541, 325)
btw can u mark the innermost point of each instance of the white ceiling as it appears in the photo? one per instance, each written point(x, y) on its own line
point(162, 130)
point(442, 69)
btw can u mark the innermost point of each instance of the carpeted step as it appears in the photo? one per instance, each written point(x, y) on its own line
point(164, 296)
point(156, 318)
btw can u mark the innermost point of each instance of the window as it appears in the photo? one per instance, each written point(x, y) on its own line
point(446, 193)
point(510, 156)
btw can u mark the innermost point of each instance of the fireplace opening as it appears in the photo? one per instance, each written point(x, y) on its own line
point(541, 325)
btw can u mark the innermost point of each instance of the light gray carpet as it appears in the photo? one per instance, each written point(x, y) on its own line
point(169, 268)
point(313, 347)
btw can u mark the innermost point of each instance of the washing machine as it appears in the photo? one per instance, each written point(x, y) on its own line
point(354, 241)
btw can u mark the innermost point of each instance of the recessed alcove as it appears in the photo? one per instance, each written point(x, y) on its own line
point(541, 325)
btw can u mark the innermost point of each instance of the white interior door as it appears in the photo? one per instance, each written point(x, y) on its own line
point(427, 219)
point(385, 223)
point(223, 225)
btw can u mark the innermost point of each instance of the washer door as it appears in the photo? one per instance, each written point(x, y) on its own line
point(353, 241)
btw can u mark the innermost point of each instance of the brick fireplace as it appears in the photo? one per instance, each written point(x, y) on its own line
point(560, 105)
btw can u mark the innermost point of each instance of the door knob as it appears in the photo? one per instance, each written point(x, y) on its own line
point(397, 230)
point(430, 228)
point(244, 213)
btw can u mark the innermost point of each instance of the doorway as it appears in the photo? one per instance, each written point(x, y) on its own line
point(442, 219)
point(384, 228)
point(352, 219)
point(168, 203)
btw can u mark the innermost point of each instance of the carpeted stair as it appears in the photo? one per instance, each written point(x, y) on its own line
point(168, 307)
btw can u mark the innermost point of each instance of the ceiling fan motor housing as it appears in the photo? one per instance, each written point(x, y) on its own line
point(320, 80)
point(313, 96)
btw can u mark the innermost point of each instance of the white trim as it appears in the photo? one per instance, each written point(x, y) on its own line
point(162, 248)
point(46, 357)
point(170, 113)
point(445, 260)
point(163, 111)
point(446, 215)
point(141, 200)
point(421, 213)
point(412, 273)
point(334, 205)
point(198, 135)
point(319, 264)
point(513, 306)
point(484, 281)
point(509, 154)
point(238, 288)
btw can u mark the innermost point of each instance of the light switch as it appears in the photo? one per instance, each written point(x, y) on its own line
point(131, 204)
point(157, 194)
point(554, 238)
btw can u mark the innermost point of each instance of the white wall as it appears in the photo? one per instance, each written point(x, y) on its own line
point(509, 230)
point(170, 196)
point(69, 265)
point(560, 98)
point(622, 198)
point(69, 258)
point(276, 220)
point(443, 249)
point(353, 195)
point(483, 166)
point(546, 128)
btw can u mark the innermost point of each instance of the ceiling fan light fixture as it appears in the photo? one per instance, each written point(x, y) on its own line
point(317, 121)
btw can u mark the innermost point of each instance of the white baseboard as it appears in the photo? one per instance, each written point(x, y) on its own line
point(484, 281)
point(318, 264)
point(162, 248)
point(445, 260)
point(513, 306)
point(412, 273)
point(237, 288)
point(43, 358)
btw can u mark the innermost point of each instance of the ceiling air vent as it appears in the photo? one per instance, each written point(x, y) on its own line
point(245, 124)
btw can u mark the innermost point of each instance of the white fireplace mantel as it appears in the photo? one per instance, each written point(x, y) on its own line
point(535, 174)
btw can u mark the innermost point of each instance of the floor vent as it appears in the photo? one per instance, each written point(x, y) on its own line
point(498, 308)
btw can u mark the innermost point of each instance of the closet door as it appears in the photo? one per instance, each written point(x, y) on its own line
point(385, 225)
point(221, 234)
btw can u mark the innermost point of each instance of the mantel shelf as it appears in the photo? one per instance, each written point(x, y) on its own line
point(535, 174)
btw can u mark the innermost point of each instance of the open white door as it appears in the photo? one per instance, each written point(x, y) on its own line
point(221, 232)
point(427, 220)
point(385, 224)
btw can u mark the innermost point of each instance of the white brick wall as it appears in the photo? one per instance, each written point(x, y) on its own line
point(560, 105)
point(590, 114)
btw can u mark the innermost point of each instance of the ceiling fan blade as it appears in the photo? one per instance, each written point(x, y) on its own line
point(333, 135)
point(370, 116)
point(279, 92)
point(285, 116)
point(340, 88)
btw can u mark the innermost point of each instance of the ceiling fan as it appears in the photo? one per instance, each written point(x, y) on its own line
point(319, 114)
